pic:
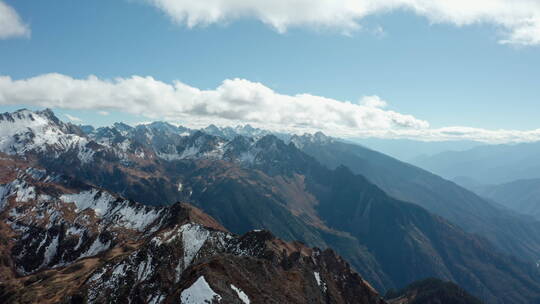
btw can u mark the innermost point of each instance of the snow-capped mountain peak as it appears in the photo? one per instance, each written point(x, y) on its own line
point(320, 138)
point(40, 131)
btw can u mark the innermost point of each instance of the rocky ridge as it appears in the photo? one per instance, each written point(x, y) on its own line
point(63, 241)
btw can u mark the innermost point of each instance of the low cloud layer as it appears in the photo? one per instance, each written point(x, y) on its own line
point(500, 136)
point(11, 24)
point(519, 20)
point(235, 101)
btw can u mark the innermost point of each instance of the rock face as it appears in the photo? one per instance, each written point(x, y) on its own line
point(62, 241)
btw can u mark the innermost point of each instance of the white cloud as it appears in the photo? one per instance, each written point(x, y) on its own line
point(73, 118)
point(519, 19)
point(103, 113)
point(459, 133)
point(236, 101)
point(11, 24)
point(373, 102)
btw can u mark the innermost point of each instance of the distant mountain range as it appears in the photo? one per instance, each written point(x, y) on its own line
point(394, 223)
point(409, 149)
point(486, 165)
point(508, 175)
point(522, 196)
point(514, 234)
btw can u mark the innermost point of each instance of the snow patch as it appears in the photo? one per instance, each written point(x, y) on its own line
point(199, 293)
point(145, 269)
point(50, 251)
point(96, 248)
point(193, 238)
point(135, 218)
point(190, 152)
point(320, 282)
point(241, 294)
point(92, 199)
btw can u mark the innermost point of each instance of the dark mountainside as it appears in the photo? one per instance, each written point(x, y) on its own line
point(431, 291)
point(514, 234)
point(260, 182)
point(65, 242)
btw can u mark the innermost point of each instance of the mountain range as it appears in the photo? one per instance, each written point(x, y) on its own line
point(512, 233)
point(522, 196)
point(394, 223)
point(67, 242)
point(487, 164)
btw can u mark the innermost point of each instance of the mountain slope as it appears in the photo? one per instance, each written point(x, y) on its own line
point(522, 196)
point(491, 164)
point(431, 291)
point(25, 131)
point(514, 234)
point(249, 183)
point(338, 200)
point(65, 242)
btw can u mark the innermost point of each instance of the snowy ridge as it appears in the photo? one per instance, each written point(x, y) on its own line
point(120, 250)
point(121, 213)
point(144, 254)
point(191, 238)
point(27, 131)
point(56, 230)
point(182, 243)
point(37, 218)
point(318, 138)
point(232, 132)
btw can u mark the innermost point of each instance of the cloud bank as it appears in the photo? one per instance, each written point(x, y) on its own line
point(10, 23)
point(236, 101)
point(519, 20)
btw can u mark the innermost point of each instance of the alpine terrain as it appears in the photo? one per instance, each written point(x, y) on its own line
point(68, 203)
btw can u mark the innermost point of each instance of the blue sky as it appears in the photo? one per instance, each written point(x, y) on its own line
point(440, 73)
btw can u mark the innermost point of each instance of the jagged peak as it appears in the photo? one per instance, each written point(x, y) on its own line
point(160, 126)
point(47, 112)
point(270, 140)
point(26, 114)
point(29, 119)
point(319, 137)
point(185, 212)
point(122, 126)
point(25, 130)
point(212, 127)
point(87, 129)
